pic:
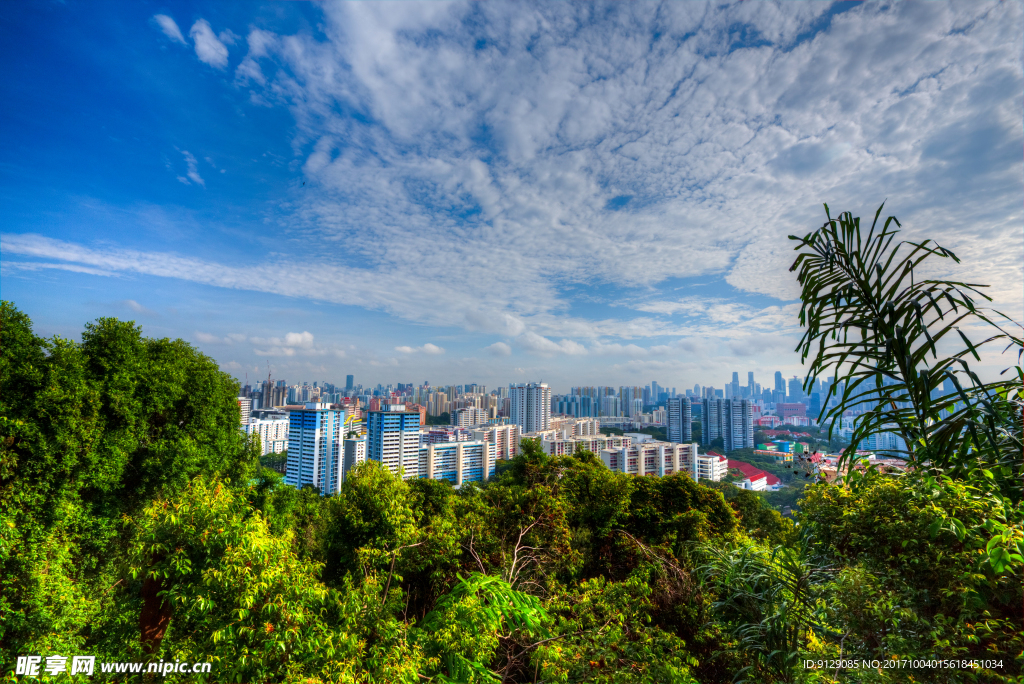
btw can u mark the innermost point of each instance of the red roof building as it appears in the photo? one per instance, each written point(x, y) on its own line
point(753, 474)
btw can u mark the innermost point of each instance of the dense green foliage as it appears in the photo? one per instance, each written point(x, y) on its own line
point(137, 524)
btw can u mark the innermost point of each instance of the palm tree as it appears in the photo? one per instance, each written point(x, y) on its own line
point(885, 333)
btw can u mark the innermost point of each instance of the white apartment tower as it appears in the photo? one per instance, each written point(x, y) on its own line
point(244, 408)
point(272, 434)
point(355, 453)
point(531, 406)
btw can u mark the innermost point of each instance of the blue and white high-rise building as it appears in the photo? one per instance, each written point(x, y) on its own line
point(315, 448)
point(393, 440)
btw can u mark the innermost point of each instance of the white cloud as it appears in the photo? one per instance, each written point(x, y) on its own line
point(138, 308)
point(192, 174)
point(207, 338)
point(228, 37)
point(170, 28)
point(719, 150)
point(499, 349)
point(512, 161)
point(208, 48)
point(11, 266)
point(427, 348)
point(541, 345)
point(302, 339)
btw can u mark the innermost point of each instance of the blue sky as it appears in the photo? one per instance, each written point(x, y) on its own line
point(491, 192)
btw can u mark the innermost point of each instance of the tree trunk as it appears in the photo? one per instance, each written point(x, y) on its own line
point(156, 613)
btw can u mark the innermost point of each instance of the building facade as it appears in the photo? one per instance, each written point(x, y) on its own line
point(314, 447)
point(271, 433)
point(655, 459)
point(731, 420)
point(469, 417)
point(505, 439)
point(738, 430)
point(457, 462)
point(712, 467)
point(354, 454)
point(712, 418)
point(244, 408)
point(531, 406)
point(555, 445)
point(393, 440)
point(679, 418)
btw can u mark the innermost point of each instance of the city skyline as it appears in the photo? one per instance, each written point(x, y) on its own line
point(575, 194)
point(350, 385)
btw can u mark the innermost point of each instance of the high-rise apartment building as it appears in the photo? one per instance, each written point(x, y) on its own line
point(730, 419)
point(393, 440)
point(314, 447)
point(505, 439)
point(272, 434)
point(711, 419)
point(469, 417)
point(738, 427)
point(679, 417)
point(531, 406)
point(657, 459)
point(354, 453)
point(637, 408)
point(610, 406)
point(244, 408)
point(457, 462)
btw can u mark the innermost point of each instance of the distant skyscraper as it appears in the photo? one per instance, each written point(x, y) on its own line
point(711, 420)
point(637, 408)
point(349, 382)
point(531, 406)
point(314, 447)
point(610, 406)
point(680, 417)
point(780, 383)
point(738, 427)
point(393, 440)
point(750, 382)
point(735, 387)
point(814, 406)
point(796, 391)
